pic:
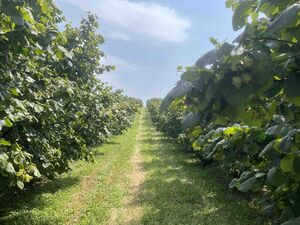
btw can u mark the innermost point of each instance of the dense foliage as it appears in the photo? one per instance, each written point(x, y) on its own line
point(243, 104)
point(52, 106)
point(168, 121)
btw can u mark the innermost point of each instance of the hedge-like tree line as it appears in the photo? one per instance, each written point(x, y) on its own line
point(239, 105)
point(52, 106)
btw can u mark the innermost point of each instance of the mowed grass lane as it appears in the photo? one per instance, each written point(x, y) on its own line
point(140, 177)
point(177, 191)
point(88, 195)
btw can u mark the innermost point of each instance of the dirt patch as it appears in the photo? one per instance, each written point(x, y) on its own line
point(133, 209)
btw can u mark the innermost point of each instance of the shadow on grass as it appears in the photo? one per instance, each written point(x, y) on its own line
point(178, 191)
point(28, 218)
point(111, 142)
point(33, 199)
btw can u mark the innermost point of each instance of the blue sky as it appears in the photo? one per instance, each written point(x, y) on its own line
point(147, 40)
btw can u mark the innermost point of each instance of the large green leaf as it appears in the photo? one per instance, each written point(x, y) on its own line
point(247, 185)
point(8, 123)
point(65, 52)
point(297, 164)
point(285, 19)
point(10, 168)
point(190, 75)
point(214, 55)
point(191, 120)
point(287, 163)
point(240, 97)
point(20, 184)
point(291, 86)
point(182, 88)
point(203, 79)
point(240, 14)
point(4, 157)
point(295, 221)
point(275, 177)
point(4, 142)
point(17, 17)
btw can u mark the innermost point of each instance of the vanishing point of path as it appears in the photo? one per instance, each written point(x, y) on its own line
point(140, 177)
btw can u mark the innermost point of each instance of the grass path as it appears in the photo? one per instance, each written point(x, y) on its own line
point(133, 207)
point(140, 177)
point(178, 192)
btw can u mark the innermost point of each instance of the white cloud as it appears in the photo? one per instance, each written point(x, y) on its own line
point(117, 36)
point(119, 63)
point(139, 19)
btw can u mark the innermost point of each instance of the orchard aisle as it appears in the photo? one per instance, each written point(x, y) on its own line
point(176, 191)
point(140, 177)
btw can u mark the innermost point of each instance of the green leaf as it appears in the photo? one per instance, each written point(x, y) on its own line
point(29, 79)
point(182, 88)
point(10, 168)
point(214, 55)
point(269, 147)
point(189, 75)
point(8, 123)
point(237, 82)
point(232, 130)
point(241, 14)
point(210, 91)
point(27, 15)
point(274, 130)
point(268, 210)
point(260, 174)
point(286, 214)
point(287, 163)
point(38, 108)
point(33, 170)
point(4, 142)
point(238, 98)
point(4, 157)
point(20, 184)
point(285, 19)
point(17, 17)
point(248, 185)
point(37, 173)
point(19, 159)
point(285, 144)
point(233, 183)
point(191, 120)
point(15, 91)
point(291, 86)
point(179, 68)
point(275, 177)
point(295, 221)
point(279, 119)
point(204, 77)
point(66, 52)
point(297, 165)
point(46, 164)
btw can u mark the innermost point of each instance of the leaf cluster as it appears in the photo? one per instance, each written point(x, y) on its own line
point(52, 106)
point(242, 104)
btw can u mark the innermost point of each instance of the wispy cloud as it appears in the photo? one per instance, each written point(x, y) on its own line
point(120, 64)
point(117, 36)
point(139, 19)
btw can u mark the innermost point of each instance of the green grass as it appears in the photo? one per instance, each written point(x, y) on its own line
point(176, 190)
point(68, 200)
